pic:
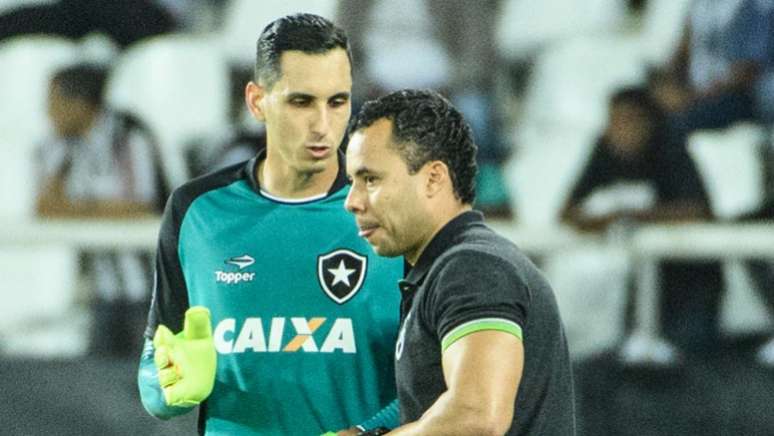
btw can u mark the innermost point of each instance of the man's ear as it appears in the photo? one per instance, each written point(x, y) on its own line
point(254, 95)
point(436, 177)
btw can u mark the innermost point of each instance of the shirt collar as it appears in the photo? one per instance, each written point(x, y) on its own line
point(252, 165)
point(442, 241)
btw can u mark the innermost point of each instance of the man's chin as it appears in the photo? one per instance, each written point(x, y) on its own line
point(312, 168)
point(385, 251)
point(315, 166)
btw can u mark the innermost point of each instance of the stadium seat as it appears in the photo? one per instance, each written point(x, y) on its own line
point(243, 21)
point(39, 297)
point(729, 162)
point(407, 53)
point(742, 311)
point(590, 284)
point(177, 84)
point(526, 26)
point(8, 5)
point(565, 108)
point(663, 22)
point(27, 66)
point(540, 174)
point(573, 79)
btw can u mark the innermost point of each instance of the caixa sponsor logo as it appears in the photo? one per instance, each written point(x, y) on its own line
point(277, 335)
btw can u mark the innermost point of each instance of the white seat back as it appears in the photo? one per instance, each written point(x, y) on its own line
point(37, 287)
point(526, 25)
point(663, 24)
point(178, 84)
point(244, 20)
point(729, 162)
point(573, 80)
point(406, 51)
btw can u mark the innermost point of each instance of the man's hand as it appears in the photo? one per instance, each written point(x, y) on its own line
point(186, 362)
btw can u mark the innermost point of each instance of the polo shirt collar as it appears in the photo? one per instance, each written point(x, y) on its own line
point(442, 241)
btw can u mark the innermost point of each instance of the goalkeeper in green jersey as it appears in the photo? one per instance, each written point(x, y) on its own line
point(269, 313)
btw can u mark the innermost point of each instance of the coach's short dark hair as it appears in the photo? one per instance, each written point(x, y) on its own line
point(82, 81)
point(426, 127)
point(307, 33)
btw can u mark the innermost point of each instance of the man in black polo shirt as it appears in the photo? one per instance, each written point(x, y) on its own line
point(481, 348)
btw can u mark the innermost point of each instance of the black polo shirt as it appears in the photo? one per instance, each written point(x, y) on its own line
point(470, 279)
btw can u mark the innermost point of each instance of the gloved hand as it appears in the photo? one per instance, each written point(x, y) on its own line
point(186, 362)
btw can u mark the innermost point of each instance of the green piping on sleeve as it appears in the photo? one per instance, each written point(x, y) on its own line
point(478, 325)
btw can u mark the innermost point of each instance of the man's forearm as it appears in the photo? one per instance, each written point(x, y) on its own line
point(454, 416)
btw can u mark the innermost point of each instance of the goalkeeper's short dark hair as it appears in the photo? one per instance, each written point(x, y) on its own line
point(308, 33)
point(427, 127)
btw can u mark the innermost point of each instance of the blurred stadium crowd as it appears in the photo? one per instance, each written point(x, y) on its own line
point(595, 116)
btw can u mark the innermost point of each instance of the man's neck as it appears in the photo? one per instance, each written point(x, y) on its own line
point(439, 223)
point(285, 182)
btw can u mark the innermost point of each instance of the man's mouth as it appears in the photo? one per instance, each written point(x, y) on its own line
point(366, 230)
point(318, 151)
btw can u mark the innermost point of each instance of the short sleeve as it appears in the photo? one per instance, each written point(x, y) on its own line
point(476, 291)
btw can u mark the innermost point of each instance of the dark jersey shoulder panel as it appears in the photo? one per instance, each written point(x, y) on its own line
point(170, 292)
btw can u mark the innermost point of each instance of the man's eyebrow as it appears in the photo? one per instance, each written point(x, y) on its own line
point(362, 171)
point(340, 95)
point(301, 95)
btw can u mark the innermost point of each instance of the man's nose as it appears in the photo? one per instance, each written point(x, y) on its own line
point(321, 121)
point(354, 202)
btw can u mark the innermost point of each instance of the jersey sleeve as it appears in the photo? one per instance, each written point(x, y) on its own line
point(169, 299)
point(168, 305)
point(475, 291)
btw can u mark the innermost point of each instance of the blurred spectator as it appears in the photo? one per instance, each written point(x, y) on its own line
point(102, 164)
point(125, 21)
point(718, 74)
point(631, 177)
point(723, 72)
point(467, 34)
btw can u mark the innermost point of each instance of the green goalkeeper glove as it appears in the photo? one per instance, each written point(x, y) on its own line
point(186, 362)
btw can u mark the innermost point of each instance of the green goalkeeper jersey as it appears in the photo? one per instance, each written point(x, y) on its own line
point(304, 313)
